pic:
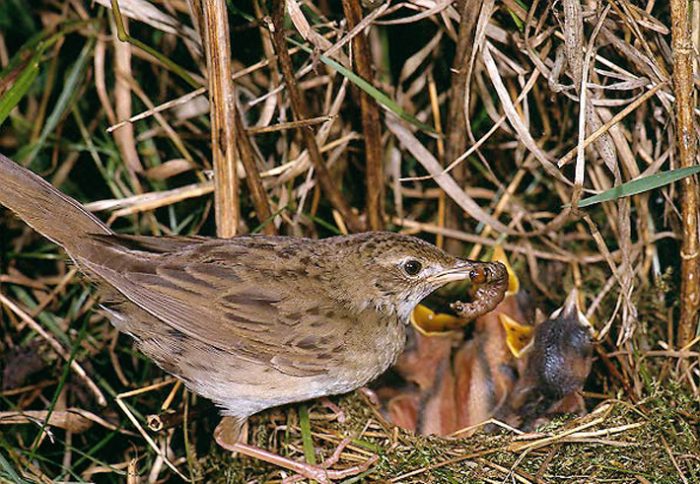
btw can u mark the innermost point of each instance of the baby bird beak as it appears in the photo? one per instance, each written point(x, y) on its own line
point(571, 310)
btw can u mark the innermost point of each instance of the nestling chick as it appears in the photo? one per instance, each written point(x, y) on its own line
point(556, 366)
point(426, 364)
point(485, 367)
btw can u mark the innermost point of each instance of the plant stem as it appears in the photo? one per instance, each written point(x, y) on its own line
point(370, 121)
point(222, 103)
point(687, 149)
point(300, 111)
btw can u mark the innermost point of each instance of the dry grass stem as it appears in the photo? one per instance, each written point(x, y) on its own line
point(370, 120)
point(686, 135)
point(222, 101)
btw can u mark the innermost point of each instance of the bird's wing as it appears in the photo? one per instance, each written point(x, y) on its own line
point(217, 294)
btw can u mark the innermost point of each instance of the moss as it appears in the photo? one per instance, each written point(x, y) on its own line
point(668, 414)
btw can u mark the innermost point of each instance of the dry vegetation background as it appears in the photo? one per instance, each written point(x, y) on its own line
point(483, 122)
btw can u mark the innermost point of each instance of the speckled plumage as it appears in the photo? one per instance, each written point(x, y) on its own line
point(254, 321)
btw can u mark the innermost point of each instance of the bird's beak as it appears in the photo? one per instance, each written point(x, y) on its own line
point(518, 335)
point(476, 272)
point(459, 273)
point(572, 310)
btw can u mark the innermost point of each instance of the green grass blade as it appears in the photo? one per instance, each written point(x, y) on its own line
point(61, 383)
point(269, 220)
point(334, 230)
point(10, 471)
point(20, 87)
point(640, 185)
point(17, 14)
point(379, 96)
point(516, 20)
point(237, 11)
point(71, 86)
point(306, 440)
point(34, 47)
point(165, 60)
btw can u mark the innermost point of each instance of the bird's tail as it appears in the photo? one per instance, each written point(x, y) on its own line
point(47, 210)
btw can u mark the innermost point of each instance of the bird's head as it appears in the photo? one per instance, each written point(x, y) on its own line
point(562, 349)
point(394, 271)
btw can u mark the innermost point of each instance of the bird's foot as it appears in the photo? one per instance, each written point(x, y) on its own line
point(370, 395)
point(321, 473)
point(339, 415)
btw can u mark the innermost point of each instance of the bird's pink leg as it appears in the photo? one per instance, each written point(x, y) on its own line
point(332, 460)
point(370, 395)
point(339, 414)
point(318, 473)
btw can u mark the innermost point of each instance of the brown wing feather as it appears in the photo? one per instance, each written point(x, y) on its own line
point(204, 290)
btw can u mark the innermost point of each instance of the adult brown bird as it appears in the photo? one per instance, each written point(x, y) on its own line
point(253, 322)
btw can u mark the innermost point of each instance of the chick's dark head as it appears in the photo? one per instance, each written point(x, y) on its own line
point(562, 351)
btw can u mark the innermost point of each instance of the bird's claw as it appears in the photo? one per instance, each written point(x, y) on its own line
point(323, 475)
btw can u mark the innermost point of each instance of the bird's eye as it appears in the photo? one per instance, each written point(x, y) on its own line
point(412, 267)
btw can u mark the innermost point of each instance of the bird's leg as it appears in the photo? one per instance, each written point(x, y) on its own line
point(370, 395)
point(318, 473)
